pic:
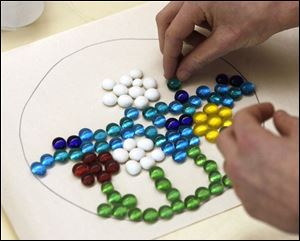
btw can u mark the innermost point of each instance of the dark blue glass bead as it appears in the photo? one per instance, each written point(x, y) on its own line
point(59, 143)
point(100, 135)
point(194, 141)
point(116, 143)
point(139, 130)
point(235, 93)
point(149, 113)
point(126, 122)
point(236, 80)
point(195, 101)
point(248, 88)
point(74, 141)
point(132, 113)
point(175, 107)
point(47, 160)
point(182, 144)
point(186, 120)
point(222, 79)
point(75, 154)
point(102, 146)
point(179, 156)
point(182, 96)
point(87, 147)
point(203, 92)
point(150, 132)
point(172, 124)
point(86, 134)
point(189, 110)
point(38, 169)
point(186, 131)
point(228, 101)
point(222, 89)
point(162, 107)
point(159, 121)
point(113, 129)
point(168, 148)
point(215, 98)
point(173, 136)
point(127, 133)
point(159, 140)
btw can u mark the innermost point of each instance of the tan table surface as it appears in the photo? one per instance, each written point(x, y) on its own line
point(60, 16)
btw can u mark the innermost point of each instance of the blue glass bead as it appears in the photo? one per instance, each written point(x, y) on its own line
point(168, 148)
point(132, 113)
point(139, 130)
point(162, 107)
point(175, 107)
point(102, 146)
point(75, 154)
point(186, 131)
point(228, 101)
point(86, 134)
point(113, 129)
point(194, 141)
point(173, 136)
point(61, 156)
point(182, 144)
point(149, 113)
point(159, 121)
point(126, 122)
point(150, 132)
point(247, 88)
point(235, 93)
point(185, 120)
point(100, 135)
point(195, 101)
point(172, 124)
point(47, 160)
point(74, 141)
point(189, 110)
point(222, 79)
point(116, 143)
point(159, 140)
point(127, 133)
point(38, 169)
point(179, 156)
point(236, 80)
point(59, 143)
point(222, 89)
point(87, 147)
point(215, 98)
point(203, 92)
point(182, 96)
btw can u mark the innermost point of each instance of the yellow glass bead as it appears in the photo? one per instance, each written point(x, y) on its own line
point(227, 123)
point(211, 136)
point(214, 122)
point(200, 129)
point(199, 117)
point(225, 112)
point(210, 109)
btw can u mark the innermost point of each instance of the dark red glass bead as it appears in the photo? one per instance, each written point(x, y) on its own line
point(89, 158)
point(95, 168)
point(104, 177)
point(88, 179)
point(112, 167)
point(105, 157)
point(80, 169)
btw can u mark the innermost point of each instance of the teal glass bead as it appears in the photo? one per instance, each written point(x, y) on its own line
point(86, 134)
point(162, 108)
point(235, 93)
point(100, 135)
point(126, 122)
point(116, 143)
point(87, 147)
point(127, 133)
point(168, 148)
point(149, 113)
point(102, 146)
point(189, 110)
point(215, 98)
point(181, 144)
point(175, 107)
point(113, 129)
point(194, 141)
point(159, 140)
point(75, 154)
point(38, 169)
point(247, 88)
point(174, 84)
point(159, 121)
point(186, 131)
point(132, 113)
point(61, 156)
point(173, 136)
point(151, 132)
point(47, 160)
point(179, 156)
point(195, 101)
point(139, 130)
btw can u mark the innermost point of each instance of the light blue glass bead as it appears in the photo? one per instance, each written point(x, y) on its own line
point(116, 143)
point(175, 107)
point(228, 102)
point(132, 113)
point(195, 101)
point(162, 107)
point(159, 121)
point(173, 136)
point(100, 135)
point(47, 160)
point(151, 132)
point(168, 148)
point(203, 92)
point(160, 140)
point(113, 129)
point(126, 122)
point(179, 156)
point(149, 113)
point(127, 133)
point(86, 134)
point(194, 141)
point(182, 144)
point(186, 131)
point(87, 147)
point(247, 88)
point(102, 146)
point(222, 89)
point(139, 130)
point(38, 169)
point(189, 110)
point(61, 156)
point(75, 154)
point(215, 98)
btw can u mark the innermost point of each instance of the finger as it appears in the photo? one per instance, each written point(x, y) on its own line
point(163, 19)
point(226, 143)
point(286, 124)
point(195, 38)
point(180, 28)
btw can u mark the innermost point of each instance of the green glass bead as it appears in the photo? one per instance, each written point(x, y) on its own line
point(178, 206)
point(165, 212)
point(160, 140)
point(75, 154)
point(107, 188)
point(61, 156)
point(215, 176)
point(191, 202)
point(119, 212)
point(114, 197)
point(173, 195)
point(104, 210)
point(193, 152)
point(226, 181)
point(163, 184)
point(156, 173)
point(149, 113)
point(174, 84)
point(202, 193)
point(135, 215)
point(150, 215)
point(216, 188)
point(129, 201)
point(210, 166)
point(200, 160)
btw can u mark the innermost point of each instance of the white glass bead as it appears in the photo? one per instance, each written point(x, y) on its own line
point(158, 155)
point(120, 155)
point(137, 82)
point(136, 154)
point(152, 94)
point(109, 99)
point(125, 101)
point(136, 73)
point(129, 144)
point(136, 91)
point(149, 83)
point(108, 84)
point(126, 80)
point(141, 102)
point(145, 144)
point(120, 89)
point(133, 167)
point(147, 162)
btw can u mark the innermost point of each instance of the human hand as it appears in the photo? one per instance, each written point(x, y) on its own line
point(233, 25)
point(264, 167)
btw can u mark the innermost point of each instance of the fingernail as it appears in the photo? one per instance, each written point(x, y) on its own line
point(183, 75)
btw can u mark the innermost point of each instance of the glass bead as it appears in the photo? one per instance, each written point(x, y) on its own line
point(102, 146)
point(129, 201)
point(189, 110)
point(182, 144)
point(222, 79)
point(74, 141)
point(150, 132)
point(193, 152)
point(165, 212)
point(215, 98)
point(200, 117)
point(132, 113)
point(59, 143)
point(194, 141)
point(235, 93)
point(210, 166)
point(211, 136)
point(195, 101)
point(222, 89)
point(216, 188)
point(236, 80)
point(200, 129)
point(226, 181)
point(210, 109)
point(38, 169)
point(116, 143)
point(186, 120)
point(173, 136)
point(88, 180)
point(228, 102)
point(203, 92)
point(87, 147)
point(95, 168)
point(156, 173)
point(86, 134)
point(89, 158)
point(173, 195)
point(114, 197)
point(174, 84)
point(47, 160)
point(103, 177)
point(139, 130)
point(159, 121)
point(162, 108)
point(172, 124)
point(61, 156)
point(104, 157)
point(150, 215)
point(215, 176)
point(225, 112)
point(112, 167)
point(227, 123)
point(104, 210)
point(119, 212)
point(247, 88)
point(163, 184)
point(214, 121)
point(126, 122)
point(159, 140)
point(168, 148)
point(200, 160)
point(127, 133)
point(175, 107)
point(113, 129)
point(178, 206)
point(179, 156)
point(149, 113)
point(107, 188)
point(191, 202)
point(75, 154)
point(202, 193)
point(186, 131)
point(182, 96)
point(135, 215)
point(80, 169)
point(100, 135)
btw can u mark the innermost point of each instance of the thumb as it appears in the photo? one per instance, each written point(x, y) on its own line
point(286, 124)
